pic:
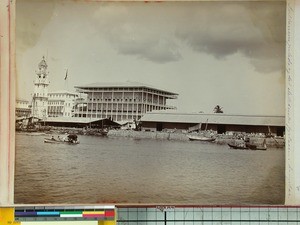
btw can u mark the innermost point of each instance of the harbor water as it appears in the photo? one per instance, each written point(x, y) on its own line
point(128, 170)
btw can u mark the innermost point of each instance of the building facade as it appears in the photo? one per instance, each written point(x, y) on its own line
point(218, 122)
point(23, 108)
point(61, 103)
point(40, 95)
point(122, 101)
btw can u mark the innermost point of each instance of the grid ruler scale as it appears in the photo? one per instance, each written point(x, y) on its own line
point(209, 215)
point(164, 215)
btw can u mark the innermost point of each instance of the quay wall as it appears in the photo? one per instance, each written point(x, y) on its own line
point(178, 136)
point(220, 139)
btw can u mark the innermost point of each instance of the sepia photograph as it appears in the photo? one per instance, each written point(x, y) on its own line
point(178, 103)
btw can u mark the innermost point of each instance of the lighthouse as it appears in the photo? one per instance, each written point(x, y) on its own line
point(40, 95)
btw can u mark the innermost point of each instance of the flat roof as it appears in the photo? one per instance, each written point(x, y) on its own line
point(123, 85)
point(63, 92)
point(21, 100)
point(214, 118)
point(80, 121)
point(72, 119)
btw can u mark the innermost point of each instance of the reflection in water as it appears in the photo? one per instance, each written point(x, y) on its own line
point(123, 170)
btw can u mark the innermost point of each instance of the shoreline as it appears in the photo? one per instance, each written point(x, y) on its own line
point(221, 139)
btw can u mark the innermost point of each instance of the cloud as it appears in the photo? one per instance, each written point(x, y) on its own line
point(255, 29)
point(133, 29)
point(161, 32)
point(157, 32)
point(30, 22)
point(158, 50)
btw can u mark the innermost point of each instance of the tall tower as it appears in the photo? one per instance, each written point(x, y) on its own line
point(40, 95)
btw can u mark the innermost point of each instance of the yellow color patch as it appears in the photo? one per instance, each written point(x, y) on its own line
point(93, 212)
point(7, 216)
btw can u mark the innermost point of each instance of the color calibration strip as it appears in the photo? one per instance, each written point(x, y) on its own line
point(64, 213)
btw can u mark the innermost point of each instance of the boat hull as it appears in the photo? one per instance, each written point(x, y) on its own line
point(195, 138)
point(237, 147)
point(248, 147)
point(51, 141)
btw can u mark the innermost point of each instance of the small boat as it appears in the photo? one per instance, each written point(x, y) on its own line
point(204, 137)
point(201, 138)
point(256, 147)
point(70, 139)
point(52, 141)
point(238, 146)
point(249, 146)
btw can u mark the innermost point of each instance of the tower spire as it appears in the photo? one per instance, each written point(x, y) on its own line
point(40, 95)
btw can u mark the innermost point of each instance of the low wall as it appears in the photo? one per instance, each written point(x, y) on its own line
point(220, 139)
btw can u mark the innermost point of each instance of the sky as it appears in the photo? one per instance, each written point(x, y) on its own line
point(230, 54)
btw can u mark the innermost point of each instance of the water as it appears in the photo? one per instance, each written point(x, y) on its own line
point(124, 170)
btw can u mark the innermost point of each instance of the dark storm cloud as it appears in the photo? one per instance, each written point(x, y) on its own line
point(155, 32)
point(255, 29)
point(138, 30)
point(159, 33)
point(159, 51)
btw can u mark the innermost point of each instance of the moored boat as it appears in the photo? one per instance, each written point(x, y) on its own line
point(201, 138)
point(249, 146)
point(238, 146)
point(258, 147)
point(70, 139)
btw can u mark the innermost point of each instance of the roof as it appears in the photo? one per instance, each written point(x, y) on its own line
point(78, 120)
point(22, 100)
point(72, 119)
point(122, 84)
point(216, 118)
point(63, 92)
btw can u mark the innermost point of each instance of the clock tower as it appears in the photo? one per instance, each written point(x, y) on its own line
point(40, 95)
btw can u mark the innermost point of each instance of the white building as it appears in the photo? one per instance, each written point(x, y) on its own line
point(119, 101)
point(40, 95)
point(61, 103)
point(22, 108)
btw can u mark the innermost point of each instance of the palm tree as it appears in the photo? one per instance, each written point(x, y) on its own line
point(218, 109)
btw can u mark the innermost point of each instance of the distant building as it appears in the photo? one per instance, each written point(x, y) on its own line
point(22, 108)
point(40, 95)
point(122, 101)
point(219, 122)
point(61, 103)
point(76, 122)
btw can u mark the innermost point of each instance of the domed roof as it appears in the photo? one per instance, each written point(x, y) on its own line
point(43, 64)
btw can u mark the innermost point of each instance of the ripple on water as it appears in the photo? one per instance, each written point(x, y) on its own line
point(124, 170)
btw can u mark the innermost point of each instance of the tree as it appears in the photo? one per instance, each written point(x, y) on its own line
point(218, 109)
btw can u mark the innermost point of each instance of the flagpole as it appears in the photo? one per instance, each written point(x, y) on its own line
point(66, 80)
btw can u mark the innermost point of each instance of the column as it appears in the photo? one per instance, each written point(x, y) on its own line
point(122, 110)
point(102, 103)
point(152, 102)
point(112, 104)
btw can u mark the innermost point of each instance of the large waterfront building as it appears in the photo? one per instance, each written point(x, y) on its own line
point(122, 101)
point(218, 122)
point(22, 108)
point(40, 95)
point(61, 103)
